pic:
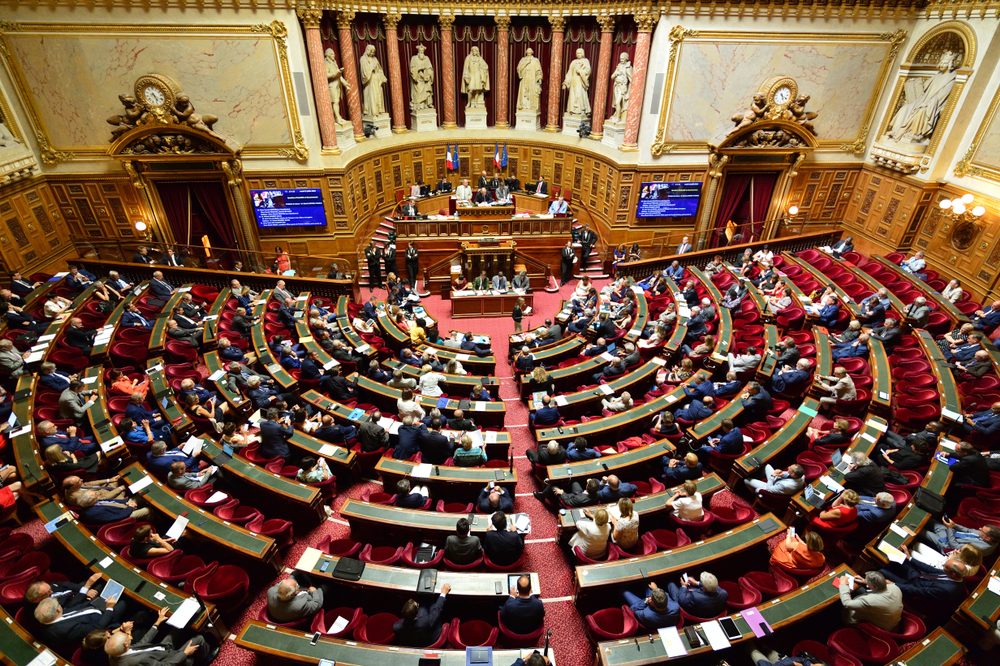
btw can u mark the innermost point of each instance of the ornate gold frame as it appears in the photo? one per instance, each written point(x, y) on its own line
point(969, 37)
point(51, 155)
point(22, 163)
point(968, 166)
point(678, 34)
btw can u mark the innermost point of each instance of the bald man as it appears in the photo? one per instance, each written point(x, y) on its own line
point(288, 601)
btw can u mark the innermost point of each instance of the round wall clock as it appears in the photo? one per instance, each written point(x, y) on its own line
point(156, 91)
point(780, 91)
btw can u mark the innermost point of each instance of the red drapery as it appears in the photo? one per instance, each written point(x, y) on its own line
point(174, 198)
point(479, 32)
point(205, 203)
point(211, 198)
point(733, 192)
point(525, 33)
point(736, 203)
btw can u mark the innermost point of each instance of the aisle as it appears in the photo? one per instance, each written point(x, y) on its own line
point(542, 552)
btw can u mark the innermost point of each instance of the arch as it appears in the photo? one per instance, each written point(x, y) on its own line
point(964, 32)
point(171, 141)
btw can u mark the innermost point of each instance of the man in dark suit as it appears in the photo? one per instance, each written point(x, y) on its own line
point(872, 309)
point(729, 442)
point(133, 318)
point(551, 454)
point(547, 414)
point(67, 628)
point(791, 379)
point(730, 386)
point(420, 626)
point(274, 435)
point(578, 496)
point(141, 256)
point(170, 257)
point(461, 547)
point(587, 241)
point(935, 590)
point(756, 402)
point(373, 257)
point(494, 498)
point(696, 410)
point(78, 336)
point(435, 448)
point(788, 353)
point(605, 327)
point(148, 651)
point(702, 597)
point(460, 421)
point(410, 498)
point(330, 431)
point(502, 543)
point(159, 459)
point(409, 208)
point(988, 318)
point(985, 423)
point(566, 263)
point(242, 322)
point(613, 489)
point(20, 286)
point(654, 611)
point(408, 439)
point(52, 379)
point(522, 612)
point(160, 289)
point(971, 468)
point(443, 185)
point(888, 333)
point(78, 281)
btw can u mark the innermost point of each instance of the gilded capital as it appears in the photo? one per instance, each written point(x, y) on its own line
point(344, 19)
point(503, 22)
point(392, 19)
point(558, 23)
point(646, 21)
point(607, 23)
point(310, 17)
point(446, 21)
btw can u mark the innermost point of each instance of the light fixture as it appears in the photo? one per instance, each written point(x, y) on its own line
point(143, 229)
point(961, 209)
point(140, 226)
point(793, 210)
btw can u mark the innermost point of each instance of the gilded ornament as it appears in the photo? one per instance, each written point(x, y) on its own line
point(392, 19)
point(310, 18)
point(344, 19)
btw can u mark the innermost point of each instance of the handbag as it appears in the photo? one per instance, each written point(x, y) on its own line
point(929, 501)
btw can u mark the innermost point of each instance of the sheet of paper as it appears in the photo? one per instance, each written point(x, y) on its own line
point(41, 347)
point(479, 406)
point(308, 559)
point(182, 290)
point(871, 438)
point(215, 497)
point(112, 444)
point(89, 380)
point(607, 356)
point(560, 400)
point(273, 368)
point(331, 363)
point(394, 427)
point(950, 414)
point(192, 447)
point(34, 357)
point(177, 528)
point(385, 422)
point(140, 484)
point(894, 527)
point(217, 375)
point(716, 635)
point(993, 585)
point(338, 625)
point(327, 450)
point(490, 436)
point(878, 425)
point(47, 338)
point(422, 471)
point(20, 431)
point(948, 444)
point(672, 642)
point(831, 484)
point(462, 357)
point(606, 389)
point(106, 562)
point(44, 658)
point(894, 554)
point(182, 616)
point(924, 553)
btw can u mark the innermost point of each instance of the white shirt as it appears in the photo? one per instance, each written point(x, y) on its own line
point(409, 408)
point(463, 192)
point(689, 508)
point(952, 294)
point(428, 384)
point(591, 539)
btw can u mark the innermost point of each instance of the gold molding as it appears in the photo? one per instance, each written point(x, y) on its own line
point(446, 21)
point(607, 23)
point(678, 34)
point(344, 18)
point(392, 19)
point(502, 21)
point(646, 21)
point(558, 23)
point(968, 166)
point(310, 17)
point(51, 154)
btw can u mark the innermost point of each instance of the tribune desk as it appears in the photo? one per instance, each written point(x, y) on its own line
point(295, 645)
point(469, 303)
point(938, 648)
point(801, 603)
point(20, 647)
point(463, 483)
point(382, 523)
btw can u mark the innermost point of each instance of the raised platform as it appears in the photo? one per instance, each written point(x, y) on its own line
point(467, 304)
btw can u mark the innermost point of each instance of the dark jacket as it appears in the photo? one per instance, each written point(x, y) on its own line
point(424, 629)
point(522, 615)
point(274, 439)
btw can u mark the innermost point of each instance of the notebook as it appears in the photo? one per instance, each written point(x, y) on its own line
point(427, 580)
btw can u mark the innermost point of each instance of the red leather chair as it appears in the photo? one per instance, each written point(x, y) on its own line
point(410, 552)
point(694, 619)
point(470, 633)
point(236, 513)
point(199, 497)
point(453, 507)
point(386, 555)
point(379, 497)
point(731, 516)
point(583, 559)
point(822, 652)
point(225, 585)
point(175, 566)
point(119, 534)
point(771, 583)
point(493, 566)
point(648, 487)
point(12, 588)
point(324, 621)
point(378, 629)
point(868, 648)
point(454, 566)
point(515, 639)
point(696, 528)
point(16, 542)
point(264, 616)
point(911, 628)
point(610, 624)
point(740, 597)
point(340, 547)
point(179, 352)
point(279, 529)
point(667, 539)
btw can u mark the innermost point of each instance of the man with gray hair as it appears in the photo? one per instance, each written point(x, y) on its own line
point(702, 597)
point(839, 385)
point(779, 482)
point(917, 312)
point(947, 535)
point(68, 628)
point(551, 454)
point(11, 359)
point(123, 650)
point(871, 599)
point(288, 600)
point(874, 515)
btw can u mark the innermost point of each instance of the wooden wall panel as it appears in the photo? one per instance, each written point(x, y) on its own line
point(33, 233)
point(823, 192)
point(882, 207)
point(99, 206)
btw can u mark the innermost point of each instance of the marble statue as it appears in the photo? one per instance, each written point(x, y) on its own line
point(337, 83)
point(621, 82)
point(7, 138)
point(529, 92)
point(756, 112)
point(923, 101)
point(421, 81)
point(475, 79)
point(577, 82)
point(185, 115)
point(372, 80)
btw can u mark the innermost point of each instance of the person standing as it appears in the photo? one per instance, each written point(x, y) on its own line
point(517, 314)
point(568, 258)
point(390, 259)
point(412, 264)
point(373, 255)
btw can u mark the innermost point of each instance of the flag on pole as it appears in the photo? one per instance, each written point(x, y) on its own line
point(448, 159)
point(503, 158)
point(454, 158)
point(496, 155)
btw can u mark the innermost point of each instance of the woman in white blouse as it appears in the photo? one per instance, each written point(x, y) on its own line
point(592, 535)
point(407, 406)
point(56, 306)
point(626, 525)
point(428, 382)
point(454, 367)
point(686, 502)
point(952, 291)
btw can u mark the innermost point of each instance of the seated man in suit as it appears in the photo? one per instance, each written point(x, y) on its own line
point(435, 448)
point(443, 185)
point(874, 600)
point(730, 386)
point(461, 547)
point(756, 402)
point(612, 489)
point(73, 597)
point(52, 379)
point(790, 380)
point(66, 628)
point(974, 369)
point(985, 423)
point(696, 410)
point(499, 282)
point(874, 515)
point(779, 482)
point(494, 498)
point(482, 196)
point(971, 468)
point(522, 612)
point(872, 308)
point(410, 497)
point(580, 450)
point(420, 626)
point(656, 610)
point(987, 319)
point(936, 591)
point(578, 496)
point(917, 312)
point(288, 601)
point(546, 415)
point(502, 543)
point(331, 431)
point(133, 318)
point(76, 335)
point(888, 333)
point(409, 208)
point(160, 289)
point(68, 440)
point(558, 206)
point(21, 286)
point(138, 412)
point(408, 443)
point(551, 454)
point(142, 256)
point(702, 597)
point(676, 472)
point(159, 459)
point(827, 313)
point(123, 650)
point(915, 265)
point(856, 349)
point(729, 441)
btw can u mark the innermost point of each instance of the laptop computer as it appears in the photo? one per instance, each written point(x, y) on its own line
point(839, 462)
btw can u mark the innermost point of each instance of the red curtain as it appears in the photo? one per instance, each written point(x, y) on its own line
point(179, 207)
point(733, 194)
point(581, 33)
point(763, 188)
point(204, 203)
point(745, 199)
point(413, 31)
point(471, 32)
point(623, 41)
point(525, 33)
point(211, 199)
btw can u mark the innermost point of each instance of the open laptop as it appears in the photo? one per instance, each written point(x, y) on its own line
point(839, 462)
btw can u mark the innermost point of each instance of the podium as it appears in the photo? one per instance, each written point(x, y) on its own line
point(488, 255)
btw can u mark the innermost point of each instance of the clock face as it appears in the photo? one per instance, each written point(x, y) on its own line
point(782, 95)
point(153, 96)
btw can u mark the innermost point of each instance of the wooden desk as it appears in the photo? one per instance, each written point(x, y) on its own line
point(600, 578)
point(98, 416)
point(346, 327)
point(490, 304)
point(463, 483)
point(754, 294)
point(938, 648)
point(338, 458)
point(294, 645)
point(397, 339)
point(493, 221)
point(882, 389)
point(552, 353)
point(265, 356)
point(166, 401)
point(27, 451)
point(873, 283)
point(637, 382)
point(20, 647)
point(236, 400)
point(623, 464)
point(982, 604)
point(158, 337)
point(799, 604)
point(780, 439)
point(489, 414)
point(100, 350)
point(724, 333)
point(734, 408)
point(381, 523)
point(211, 332)
point(453, 384)
point(948, 395)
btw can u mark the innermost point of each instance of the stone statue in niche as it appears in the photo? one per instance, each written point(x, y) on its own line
point(529, 92)
point(475, 79)
point(621, 82)
point(421, 81)
point(7, 138)
point(372, 80)
point(577, 82)
point(756, 112)
point(337, 84)
point(923, 100)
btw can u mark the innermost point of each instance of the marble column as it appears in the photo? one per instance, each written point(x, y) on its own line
point(503, 72)
point(317, 72)
point(607, 24)
point(391, 21)
point(646, 22)
point(555, 73)
point(448, 71)
point(349, 67)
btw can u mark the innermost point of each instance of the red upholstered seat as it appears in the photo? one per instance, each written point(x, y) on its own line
point(225, 585)
point(667, 539)
point(454, 566)
point(471, 633)
point(610, 624)
point(410, 552)
point(119, 534)
point(770, 583)
point(378, 629)
point(386, 555)
point(739, 596)
point(911, 628)
point(340, 547)
point(515, 639)
point(234, 512)
point(175, 566)
point(323, 622)
point(868, 648)
point(279, 529)
point(583, 559)
point(264, 616)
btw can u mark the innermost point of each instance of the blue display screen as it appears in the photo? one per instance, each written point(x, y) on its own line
point(276, 209)
point(669, 199)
